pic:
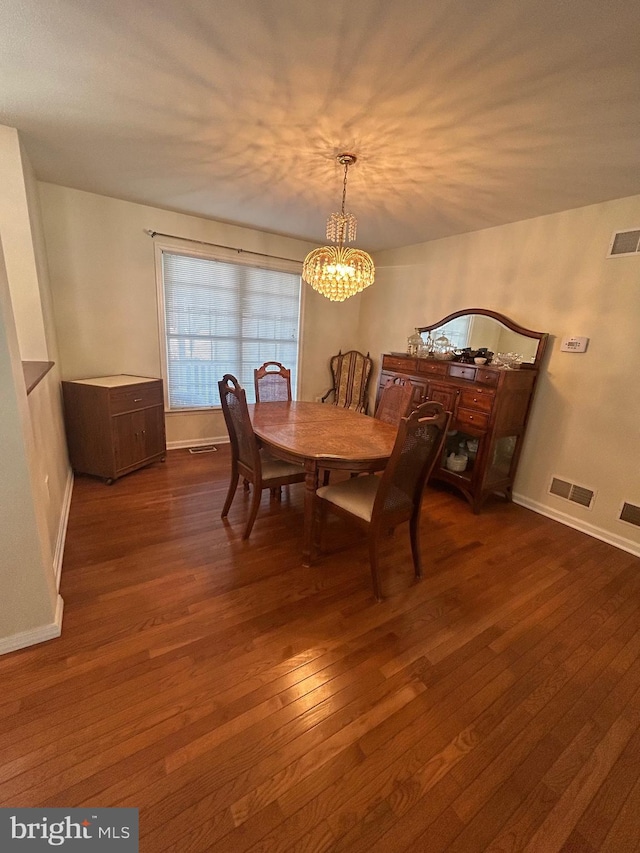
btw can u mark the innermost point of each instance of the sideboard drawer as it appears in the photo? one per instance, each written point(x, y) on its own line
point(477, 399)
point(471, 417)
point(487, 377)
point(437, 368)
point(404, 365)
point(461, 371)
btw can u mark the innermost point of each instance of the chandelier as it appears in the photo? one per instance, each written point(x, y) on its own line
point(337, 271)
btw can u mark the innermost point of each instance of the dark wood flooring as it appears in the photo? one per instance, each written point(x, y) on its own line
point(244, 703)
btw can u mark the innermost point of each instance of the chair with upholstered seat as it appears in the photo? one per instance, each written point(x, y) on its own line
point(395, 401)
point(247, 459)
point(351, 372)
point(380, 502)
point(272, 383)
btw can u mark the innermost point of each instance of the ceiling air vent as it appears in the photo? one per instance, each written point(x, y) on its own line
point(630, 514)
point(624, 243)
point(571, 492)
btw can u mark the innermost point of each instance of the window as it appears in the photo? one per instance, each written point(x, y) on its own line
point(222, 316)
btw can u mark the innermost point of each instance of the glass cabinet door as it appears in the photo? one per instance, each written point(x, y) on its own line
point(501, 459)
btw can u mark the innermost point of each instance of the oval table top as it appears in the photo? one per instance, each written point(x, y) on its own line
point(334, 436)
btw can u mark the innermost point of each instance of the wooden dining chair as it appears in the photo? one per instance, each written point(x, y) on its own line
point(380, 502)
point(272, 382)
point(351, 372)
point(256, 465)
point(395, 401)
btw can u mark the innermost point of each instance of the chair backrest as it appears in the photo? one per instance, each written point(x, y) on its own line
point(416, 449)
point(244, 445)
point(272, 383)
point(351, 373)
point(395, 401)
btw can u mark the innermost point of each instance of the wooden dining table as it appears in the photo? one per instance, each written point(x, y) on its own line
point(321, 436)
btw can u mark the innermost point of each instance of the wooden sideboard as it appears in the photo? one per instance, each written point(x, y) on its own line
point(490, 407)
point(114, 424)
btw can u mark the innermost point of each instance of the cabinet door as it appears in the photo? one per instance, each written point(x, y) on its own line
point(138, 436)
point(128, 439)
point(445, 394)
point(419, 391)
point(152, 439)
point(419, 386)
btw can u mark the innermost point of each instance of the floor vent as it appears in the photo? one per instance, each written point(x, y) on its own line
point(571, 492)
point(624, 243)
point(630, 514)
point(205, 448)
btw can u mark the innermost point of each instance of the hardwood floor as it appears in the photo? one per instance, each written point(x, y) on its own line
point(245, 703)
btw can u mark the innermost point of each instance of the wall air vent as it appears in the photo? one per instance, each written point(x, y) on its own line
point(630, 514)
point(571, 492)
point(624, 243)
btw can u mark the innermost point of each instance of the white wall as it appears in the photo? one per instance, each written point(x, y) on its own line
point(549, 274)
point(102, 271)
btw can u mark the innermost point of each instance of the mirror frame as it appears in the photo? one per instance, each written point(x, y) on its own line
point(542, 337)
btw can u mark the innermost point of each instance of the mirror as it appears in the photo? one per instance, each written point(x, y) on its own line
point(480, 328)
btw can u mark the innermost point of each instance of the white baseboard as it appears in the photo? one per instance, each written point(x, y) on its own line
point(35, 635)
point(197, 442)
point(62, 529)
point(583, 526)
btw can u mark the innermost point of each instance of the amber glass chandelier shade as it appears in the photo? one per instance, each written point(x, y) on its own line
point(338, 272)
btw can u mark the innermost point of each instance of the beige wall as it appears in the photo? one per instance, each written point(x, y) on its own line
point(35, 472)
point(550, 274)
point(29, 601)
point(20, 260)
point(103, 279)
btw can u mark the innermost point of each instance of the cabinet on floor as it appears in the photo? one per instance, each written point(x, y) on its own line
point(114, 424)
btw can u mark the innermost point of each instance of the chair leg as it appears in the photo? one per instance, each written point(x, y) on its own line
point(375, 569)
point(414, 532)
point(255, 504)
point(233, 485)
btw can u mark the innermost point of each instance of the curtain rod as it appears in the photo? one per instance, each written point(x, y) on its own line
point(152, 233)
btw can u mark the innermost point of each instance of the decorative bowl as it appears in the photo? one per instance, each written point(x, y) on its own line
point(456, 462)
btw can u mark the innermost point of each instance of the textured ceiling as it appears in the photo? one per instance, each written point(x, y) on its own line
point(463, 114)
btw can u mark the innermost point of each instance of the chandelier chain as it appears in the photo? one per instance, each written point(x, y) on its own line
point(344, 186)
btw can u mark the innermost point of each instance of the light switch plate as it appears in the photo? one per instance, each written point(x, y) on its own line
point(574, 344)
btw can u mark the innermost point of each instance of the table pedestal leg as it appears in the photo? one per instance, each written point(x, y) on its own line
point(310, 486)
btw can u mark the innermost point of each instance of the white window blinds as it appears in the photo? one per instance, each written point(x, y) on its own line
point(223, 317)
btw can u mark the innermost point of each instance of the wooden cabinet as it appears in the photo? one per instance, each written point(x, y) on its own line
point(114, 424)
point(490, 407)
